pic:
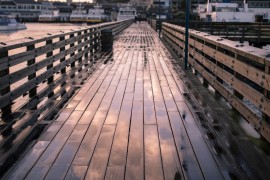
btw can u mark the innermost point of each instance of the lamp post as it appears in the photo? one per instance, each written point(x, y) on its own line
point(186, 33)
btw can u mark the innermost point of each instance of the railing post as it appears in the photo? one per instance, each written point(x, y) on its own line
point(80, 50)
point(243, 33)
point(86, 47)
point(72, 54)
point(159, 20)
point(7, 110)
point(33, 91)
point(265, 117)
point(62, 38)
point(259, 35)
point(186, 34)
point(63, 70)
point(50, 66)
point(98, 40)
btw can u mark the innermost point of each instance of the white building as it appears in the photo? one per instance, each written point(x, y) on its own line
point(24, 9)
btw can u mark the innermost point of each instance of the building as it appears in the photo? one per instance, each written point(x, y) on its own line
point(69, 1)
point(254, 3)
point(27, 10)
point(65, 10)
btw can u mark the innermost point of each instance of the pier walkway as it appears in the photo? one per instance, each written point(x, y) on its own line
point(130, 120)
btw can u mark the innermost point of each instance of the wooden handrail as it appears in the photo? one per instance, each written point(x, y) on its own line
point(238, 72)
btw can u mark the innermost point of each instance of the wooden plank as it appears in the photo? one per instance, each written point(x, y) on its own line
point(206, 160)
point(153, 163)
point(106, 83)
point(78, 133)
point(135, 156)
point(86, 149)
point(100, 158)
point(138, 90)
point(170, 159)
point(65, 157)
point(57, 172)
point(120, 142)
point(38, 172)
point(156, 87)
point(115, 172)
point(106, 101)
point(132, 73)
point(24, 166)
point(169, 99)
point(51, 132)
point(149, 109)
point(177, 95)
point(115, 105)
point(89, 95)
point(52, 151)
point(79, 96)
point(140, 65)
point(192, 169)
point(76, 173)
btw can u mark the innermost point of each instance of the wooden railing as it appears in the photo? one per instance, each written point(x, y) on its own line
point(241, 74)
point(258, 33)
point(153, 23)
point(38, 75)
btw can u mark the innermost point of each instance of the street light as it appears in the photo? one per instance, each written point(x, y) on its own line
point(186, 34)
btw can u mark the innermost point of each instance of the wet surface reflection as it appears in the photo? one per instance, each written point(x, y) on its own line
point(135, 118)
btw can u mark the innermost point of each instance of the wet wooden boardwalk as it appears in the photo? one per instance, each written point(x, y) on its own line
point(128, 121)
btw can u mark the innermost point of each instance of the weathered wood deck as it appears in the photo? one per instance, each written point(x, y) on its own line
point(128, 121)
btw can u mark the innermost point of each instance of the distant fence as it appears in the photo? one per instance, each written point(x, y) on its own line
point(241, 74)
point(38, 75)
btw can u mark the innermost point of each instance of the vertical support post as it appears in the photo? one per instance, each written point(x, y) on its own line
point(211, 28)
point(63, 71)
point(99, 38)
point(265, 117)
point(259, 35)
point(159, 20)
point(71, 36)
point(80, 50)
point(86, 47)
point(243, 33)
point(92, 44)
point(186, 34)
point(33, 91)
point(98, 42)
point(50, 66)
point(7, 110)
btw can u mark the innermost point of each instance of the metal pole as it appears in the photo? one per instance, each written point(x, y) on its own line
point(186, 34)
point(159, 21)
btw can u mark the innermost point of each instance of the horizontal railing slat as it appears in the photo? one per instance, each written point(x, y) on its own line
point(214, 57)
